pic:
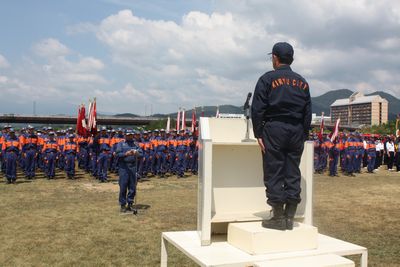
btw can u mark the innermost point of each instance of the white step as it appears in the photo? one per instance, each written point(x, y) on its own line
point(328, 260)
point(254, 239)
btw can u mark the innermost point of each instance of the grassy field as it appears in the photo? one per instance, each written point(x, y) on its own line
point(77, 222)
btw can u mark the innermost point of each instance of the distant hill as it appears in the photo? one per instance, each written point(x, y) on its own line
point(126, 115)
point(210, 111)
point(323, 102)
point(320, 104)
point(394, 103)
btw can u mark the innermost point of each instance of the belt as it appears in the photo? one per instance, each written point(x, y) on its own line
point(285, 119)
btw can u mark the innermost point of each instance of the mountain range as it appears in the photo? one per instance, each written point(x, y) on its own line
point(320, 104)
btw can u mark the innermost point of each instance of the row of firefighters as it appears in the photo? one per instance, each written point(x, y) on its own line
point(354, 151)
point(173, 152)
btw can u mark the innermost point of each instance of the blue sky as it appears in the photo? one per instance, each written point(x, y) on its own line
point(170, 54)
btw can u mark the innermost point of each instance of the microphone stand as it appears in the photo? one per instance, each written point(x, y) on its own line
point(247, 114)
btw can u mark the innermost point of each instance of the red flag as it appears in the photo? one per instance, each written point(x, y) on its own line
point(82, 130)
point(193, 120)
point(178, 118)
point(78, 119)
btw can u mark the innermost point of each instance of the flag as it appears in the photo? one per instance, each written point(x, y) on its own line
point(79, 120)
point(336, 130)
point(84, 131)
point(178, 118)
point(183, 127)
point(168, 124)
point(202, 111)
point(321, 127)
point(92, 113)
point(193, 120)
point(217, 113)
point(89, 125)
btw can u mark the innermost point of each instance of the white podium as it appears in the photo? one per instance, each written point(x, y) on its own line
point(231, 190)
point(231, 187)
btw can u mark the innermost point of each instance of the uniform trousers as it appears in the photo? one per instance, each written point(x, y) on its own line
point(127, 183)
point(284, 144)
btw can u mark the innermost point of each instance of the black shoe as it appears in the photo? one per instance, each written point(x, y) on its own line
point(129, 208)
point(290, 211)
point(8, 181)
point(123, 209)
point(278, 221)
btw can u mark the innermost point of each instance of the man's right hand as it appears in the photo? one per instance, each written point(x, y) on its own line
point(261, 144)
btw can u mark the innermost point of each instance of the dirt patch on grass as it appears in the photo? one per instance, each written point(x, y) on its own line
point(105, 187)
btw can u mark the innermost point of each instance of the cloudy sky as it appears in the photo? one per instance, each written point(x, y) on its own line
point(140, 55)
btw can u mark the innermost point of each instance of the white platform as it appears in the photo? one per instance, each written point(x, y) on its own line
point(220, 253)
point(255, 239)
point(328, 260)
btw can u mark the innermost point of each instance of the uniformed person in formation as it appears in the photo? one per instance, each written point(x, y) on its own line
point(281, 116)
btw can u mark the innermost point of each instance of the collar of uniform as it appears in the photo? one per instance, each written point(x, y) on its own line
point(284, 67)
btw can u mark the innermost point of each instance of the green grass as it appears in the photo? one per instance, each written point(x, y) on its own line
point(77, 223)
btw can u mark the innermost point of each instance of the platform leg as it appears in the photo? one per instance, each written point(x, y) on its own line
point(164, 253)
point(364, 259)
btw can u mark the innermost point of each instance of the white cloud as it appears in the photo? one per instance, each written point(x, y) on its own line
point(3, 62)
point(216, 58)
point(51, 48)
point(204, 56)
point(60, 75)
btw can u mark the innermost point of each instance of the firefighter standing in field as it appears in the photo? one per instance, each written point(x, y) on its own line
point(11, 148)
point(127, 153)
point(50, 152)
point(70, 150)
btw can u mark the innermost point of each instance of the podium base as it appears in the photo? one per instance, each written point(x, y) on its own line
point(328, 260)
point(254, 239)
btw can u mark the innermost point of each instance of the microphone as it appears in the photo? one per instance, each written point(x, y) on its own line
point(246, 104)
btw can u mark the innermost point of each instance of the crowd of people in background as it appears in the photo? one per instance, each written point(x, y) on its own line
point(164, 153)
point(168, 153)
point(354, 151)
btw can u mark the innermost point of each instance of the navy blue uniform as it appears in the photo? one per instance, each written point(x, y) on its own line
point(11, 150)
point(281, 116)
point(127, 171)
point(30, 150)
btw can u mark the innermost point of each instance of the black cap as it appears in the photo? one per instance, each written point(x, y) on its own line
point(283, 50)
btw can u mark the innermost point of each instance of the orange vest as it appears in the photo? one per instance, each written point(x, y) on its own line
point(11, 143)
point(30, 140)
point(50, 146)
point(71, 146)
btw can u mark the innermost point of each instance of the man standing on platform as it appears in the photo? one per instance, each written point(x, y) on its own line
point(281, 116)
